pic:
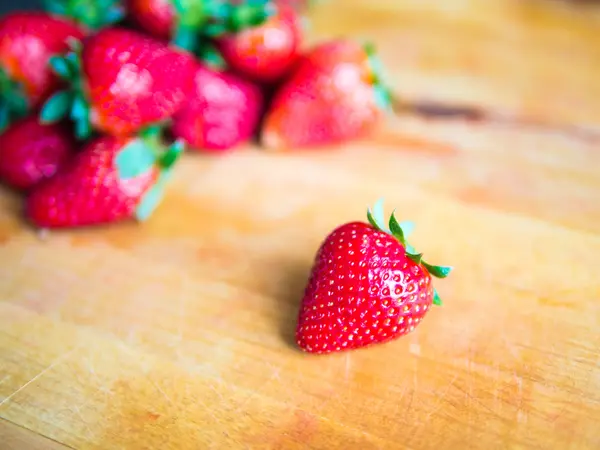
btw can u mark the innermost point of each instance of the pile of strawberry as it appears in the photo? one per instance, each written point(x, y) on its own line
point(98, 98)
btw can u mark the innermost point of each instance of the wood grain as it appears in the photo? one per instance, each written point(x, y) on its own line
point(177, 333)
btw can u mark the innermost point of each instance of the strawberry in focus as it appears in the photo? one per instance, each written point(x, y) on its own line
point(335, 94)
point(120, 82)
point(27, 41)
point(223, 111)
point(31, 152)
point(367, 286)
point(110, 180)
point(268, 51)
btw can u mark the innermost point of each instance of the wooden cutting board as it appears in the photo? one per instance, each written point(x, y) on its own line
point(178, 333)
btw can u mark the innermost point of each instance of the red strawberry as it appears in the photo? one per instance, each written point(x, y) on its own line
point(110, 180)
point(93, 14)
point(157, 17)
point(123, 81)
point(31, 152)
point(27, 41)
point(268, 51)
point(367, 286)
point(335, 94)
point(223, 111)
point(186, 22)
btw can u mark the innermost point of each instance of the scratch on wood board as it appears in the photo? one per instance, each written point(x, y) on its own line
point(53, 364)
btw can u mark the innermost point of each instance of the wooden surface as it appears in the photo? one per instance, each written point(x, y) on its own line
point(177, 334)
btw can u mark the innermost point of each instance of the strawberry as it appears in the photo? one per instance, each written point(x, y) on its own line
point(336, 93)
point(157, 17)
point(27, 41)
point(268, 51)
point(367, 286)
point(111, 179)
point(188, 22)
point(223, 111)
point(93, 14)
point(120, 82)
point(31, 152)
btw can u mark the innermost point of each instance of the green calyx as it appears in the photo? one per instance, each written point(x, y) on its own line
point(71, 101)
point(401, 230)
point(94, 14)
point(383, 94)
point(200, 21)
point(249, 14)
point(143, 153)
point(13, 101)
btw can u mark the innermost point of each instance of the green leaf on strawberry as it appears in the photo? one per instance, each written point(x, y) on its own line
point(436, 298)
point(13, 101)
point(94, 14)
point(71, 102)
point(438, 271)
point(249, 14)
point(376, 216)
point(56, 107)
point(211, 56)
point(134, 159)
point(396, 229)
point(382, 92)
point(62, 67)
point(198, 22)
point(400, 231)
point(154, 196)
point(145, 151)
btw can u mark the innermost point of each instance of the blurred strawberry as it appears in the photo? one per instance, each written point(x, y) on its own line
point(335, 94)
point(265, 52)
point(188, 23)
point(223, 111)
point(157, 17)
point(110, 180)
point(120, 82)
point(27, 41)
point(31, 152)
point(93, 14)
